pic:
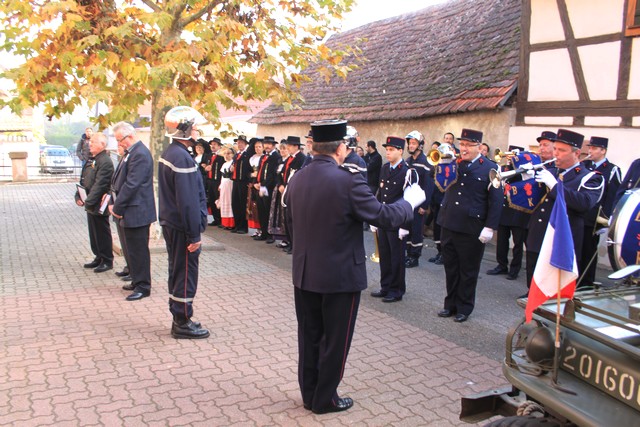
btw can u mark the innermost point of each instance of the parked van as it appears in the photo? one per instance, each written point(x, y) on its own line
point(55, 159)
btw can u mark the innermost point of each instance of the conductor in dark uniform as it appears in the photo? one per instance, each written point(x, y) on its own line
point(582, 190)
point(183, 217)
point(424, 172)
point(326, 207)
point(611, 178)
point(469, 215)
point(391, 241)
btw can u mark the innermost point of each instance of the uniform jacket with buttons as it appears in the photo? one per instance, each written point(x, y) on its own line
point(391, 187)
point(631, 180)
point(510, 217)
point(471, 203)
point(326, 206)
point(425, 175)
point(132, 186)
point(581, 193)
point(181, 196)
point(611, 178)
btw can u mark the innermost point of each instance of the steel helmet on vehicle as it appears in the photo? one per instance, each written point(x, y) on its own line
point(179, 122)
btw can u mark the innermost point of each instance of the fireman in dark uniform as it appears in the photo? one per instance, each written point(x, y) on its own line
point(598, 162)
point(631, 180)
point(213, 180)
point(582, 190)
point(183, 217)
point(353, 161)
point(266, 184)
point(469, 215)
point(424, 172)
point(513, 224)
point(326, 206)
point(241, 177)
point(391, 241)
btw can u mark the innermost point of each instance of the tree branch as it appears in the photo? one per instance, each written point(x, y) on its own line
point(199, 14)
point(152, 5)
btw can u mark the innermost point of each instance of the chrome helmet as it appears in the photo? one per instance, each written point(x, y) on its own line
point(351, 138)
point(179, 122)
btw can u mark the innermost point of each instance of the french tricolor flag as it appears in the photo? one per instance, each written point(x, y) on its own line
point(556, 267)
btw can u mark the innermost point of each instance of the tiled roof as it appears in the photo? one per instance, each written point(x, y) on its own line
point(454, 57)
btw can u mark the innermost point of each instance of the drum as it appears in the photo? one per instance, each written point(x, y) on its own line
point(624, 232)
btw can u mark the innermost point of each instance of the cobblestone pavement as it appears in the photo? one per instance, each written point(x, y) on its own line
point(75, 353)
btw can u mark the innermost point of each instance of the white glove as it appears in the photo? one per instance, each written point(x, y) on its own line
point(402, 233)
point(546, 178)
point(602, 231)
point(529, 171)
point(414, 195)
point(263, 191)
point(373, 228)
point(485, 235)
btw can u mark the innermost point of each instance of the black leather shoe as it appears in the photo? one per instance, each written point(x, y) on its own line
point(282, 245)
point(342, 404)
point(270, 240)
point(460, 318)
point(433, 258)
point(188, 330)
point(93, 264)
point(128, 287)
point(103, 267)
point(524, 296)
point(390, 298)
point(446, 313)
point(123, 273)
point(137, 295)
point(512, 276)
point(126, 278)
point(439, 260)
point(379, 294)
point(411, 262)
point(289, 250)
point(241, 232)
point(260, 238)
point(497, 270)
point(212, 223)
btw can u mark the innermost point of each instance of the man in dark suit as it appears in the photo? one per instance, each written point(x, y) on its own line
point(96, 180)
point(134, 207)
point(469, 215)
point(326, 206)
point(391, 241)
point(373, 159)
point(183, 217)
point(266, 184)
point(212, 182)
point(241, 176)
point(598, 162)
point(417, 161)
point(582, 190)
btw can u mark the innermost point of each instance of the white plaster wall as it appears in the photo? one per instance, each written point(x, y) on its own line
point(559, 121)
point(602, 121)
point(545, 22)
point(634, 77)
point(600, 63)
point(595, 17)
point(551, 76)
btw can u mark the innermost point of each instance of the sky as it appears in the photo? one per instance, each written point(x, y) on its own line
point(366, 11)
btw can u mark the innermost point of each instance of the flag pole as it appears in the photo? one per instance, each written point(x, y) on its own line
point(556, 350)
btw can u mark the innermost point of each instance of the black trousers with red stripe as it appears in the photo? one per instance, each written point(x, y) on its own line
point(183, 274)
point(325, 330)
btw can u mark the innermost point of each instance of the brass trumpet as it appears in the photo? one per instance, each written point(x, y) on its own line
point(498, 155)
point(442, 154)
point(375, 257)
point(496, 177)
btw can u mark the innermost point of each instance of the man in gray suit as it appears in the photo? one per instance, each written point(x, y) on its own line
point(134, 206)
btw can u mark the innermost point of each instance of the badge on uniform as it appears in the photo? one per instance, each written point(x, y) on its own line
point(446, 175)
point(525, 195)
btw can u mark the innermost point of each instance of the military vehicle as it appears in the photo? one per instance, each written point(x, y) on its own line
point(594, 377)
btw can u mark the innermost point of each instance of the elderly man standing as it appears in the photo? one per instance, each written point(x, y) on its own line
point(96, 180)
point(134, 206)
point(469, 214)
point(183, 216)
point(327, 203)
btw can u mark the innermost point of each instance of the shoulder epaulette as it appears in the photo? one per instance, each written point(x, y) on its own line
point(352, 167)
